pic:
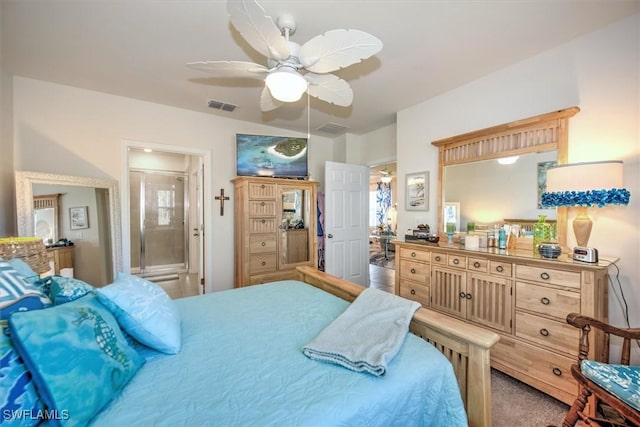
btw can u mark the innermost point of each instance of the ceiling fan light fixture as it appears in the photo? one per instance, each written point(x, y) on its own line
point(386, 179)
point(286, 84)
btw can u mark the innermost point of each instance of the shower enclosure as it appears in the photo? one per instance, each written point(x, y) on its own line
point(159, 222)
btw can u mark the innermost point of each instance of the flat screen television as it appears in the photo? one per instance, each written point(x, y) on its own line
point(272, 156)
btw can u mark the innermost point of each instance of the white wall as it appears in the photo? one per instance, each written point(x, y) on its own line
point(66, 130)
point(600, 73)
point(7, 209)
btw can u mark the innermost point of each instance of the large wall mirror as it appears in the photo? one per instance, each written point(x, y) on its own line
point(96, 235)
point(489, 192)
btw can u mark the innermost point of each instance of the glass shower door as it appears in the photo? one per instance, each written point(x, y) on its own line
point(159, 214)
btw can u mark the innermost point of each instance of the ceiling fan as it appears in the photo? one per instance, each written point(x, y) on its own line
point(293, 69)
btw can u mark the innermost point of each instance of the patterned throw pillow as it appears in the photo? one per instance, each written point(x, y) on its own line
point(67, 289)
point(145, 311)
point(77, 355)
point(19, 401)
point(14, 287)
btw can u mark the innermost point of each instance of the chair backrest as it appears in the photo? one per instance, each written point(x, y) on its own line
point(585, 323)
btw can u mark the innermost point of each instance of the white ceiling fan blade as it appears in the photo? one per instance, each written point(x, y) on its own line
point(337, 49)
point(329, 88)
point(258, 29)
point(231, 68)
point(267, 102)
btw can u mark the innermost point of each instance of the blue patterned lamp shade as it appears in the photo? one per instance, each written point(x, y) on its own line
point(585, 185)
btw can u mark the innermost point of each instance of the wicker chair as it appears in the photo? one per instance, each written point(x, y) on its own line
point(612, 390)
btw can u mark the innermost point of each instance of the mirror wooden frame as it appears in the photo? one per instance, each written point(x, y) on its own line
point(24, 204)
point(545, 132)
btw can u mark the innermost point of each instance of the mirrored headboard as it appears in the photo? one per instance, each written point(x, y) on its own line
point(546, 132)
point(24, 205)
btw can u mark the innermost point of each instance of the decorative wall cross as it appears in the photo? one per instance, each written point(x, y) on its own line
point(222, 198)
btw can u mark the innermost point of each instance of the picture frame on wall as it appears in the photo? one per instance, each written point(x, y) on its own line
point(417, 191)
point(79, 217)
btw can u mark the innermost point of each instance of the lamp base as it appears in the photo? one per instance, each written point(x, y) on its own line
point(582, 226)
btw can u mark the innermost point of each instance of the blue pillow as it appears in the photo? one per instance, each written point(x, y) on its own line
point(67, 289)
point(24, 270)
point(145, 311)
point(77, 355)
point(19, 401)
point(13, 287)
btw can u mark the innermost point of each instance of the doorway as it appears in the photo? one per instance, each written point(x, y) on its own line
point(383, 214)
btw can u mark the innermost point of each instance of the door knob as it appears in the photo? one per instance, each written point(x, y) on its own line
point(329, 236)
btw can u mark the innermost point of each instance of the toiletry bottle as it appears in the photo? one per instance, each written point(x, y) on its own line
point(502, 239)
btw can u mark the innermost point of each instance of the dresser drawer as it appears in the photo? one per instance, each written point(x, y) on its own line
point(414, 254)
point(545, 300)
point(457, 261)
point(262, 225)
point(553, 334)
point(262, 208)
point(259, 190)
point(548, 275)
point(261, 243)
point(439, 258)
point(262, 263)
point(415, 271)
point(478, 264)
point(500, 268)
point(540, 365)
point(415, 291)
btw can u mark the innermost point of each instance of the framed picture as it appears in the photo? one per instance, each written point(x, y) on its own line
point(79, 218)
point(417, 191)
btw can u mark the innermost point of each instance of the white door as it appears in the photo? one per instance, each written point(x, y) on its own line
point(346, 221)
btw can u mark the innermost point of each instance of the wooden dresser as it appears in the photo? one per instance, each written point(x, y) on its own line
point(62, 257)
point(517, 294)
point(275, 228)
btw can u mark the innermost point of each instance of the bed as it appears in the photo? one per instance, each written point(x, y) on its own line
point(240, 363)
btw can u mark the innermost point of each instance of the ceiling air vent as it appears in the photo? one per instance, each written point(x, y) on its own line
point(219, 105)
point(332, 128)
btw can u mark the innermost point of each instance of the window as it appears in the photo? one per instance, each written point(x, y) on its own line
point(166, 206)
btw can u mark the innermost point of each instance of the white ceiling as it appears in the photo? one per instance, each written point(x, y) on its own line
point(139, 48)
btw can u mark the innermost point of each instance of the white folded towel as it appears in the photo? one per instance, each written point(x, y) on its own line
point(367, 335)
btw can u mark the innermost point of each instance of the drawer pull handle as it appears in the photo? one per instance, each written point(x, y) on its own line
point(262, 186)
point(545, 300)
point(499, 269)
point(413, 291)
point(413, 254)
point(463, 295)
point(468, 296)
point(264, 263)
point(557, 372)
point(545, 276)
point(413, 271)
point(438, 258)
point(264, 243)
point(262, 204)
point(263, 221)
point(476, 264)
point(456, 261)
point(544, 332)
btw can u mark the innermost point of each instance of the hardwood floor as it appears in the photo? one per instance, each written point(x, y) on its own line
point(381, 278)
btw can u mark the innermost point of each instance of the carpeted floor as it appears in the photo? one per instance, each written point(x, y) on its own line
point(514, 403)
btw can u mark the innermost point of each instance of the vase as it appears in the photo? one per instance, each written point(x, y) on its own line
point(541, 232)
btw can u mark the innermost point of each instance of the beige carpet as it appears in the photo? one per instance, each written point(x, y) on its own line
point(516, 404)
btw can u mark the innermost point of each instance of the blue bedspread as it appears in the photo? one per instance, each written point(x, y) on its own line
point(241, 364)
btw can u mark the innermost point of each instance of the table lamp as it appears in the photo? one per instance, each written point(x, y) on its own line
point(30, 249)
point(585, 185)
